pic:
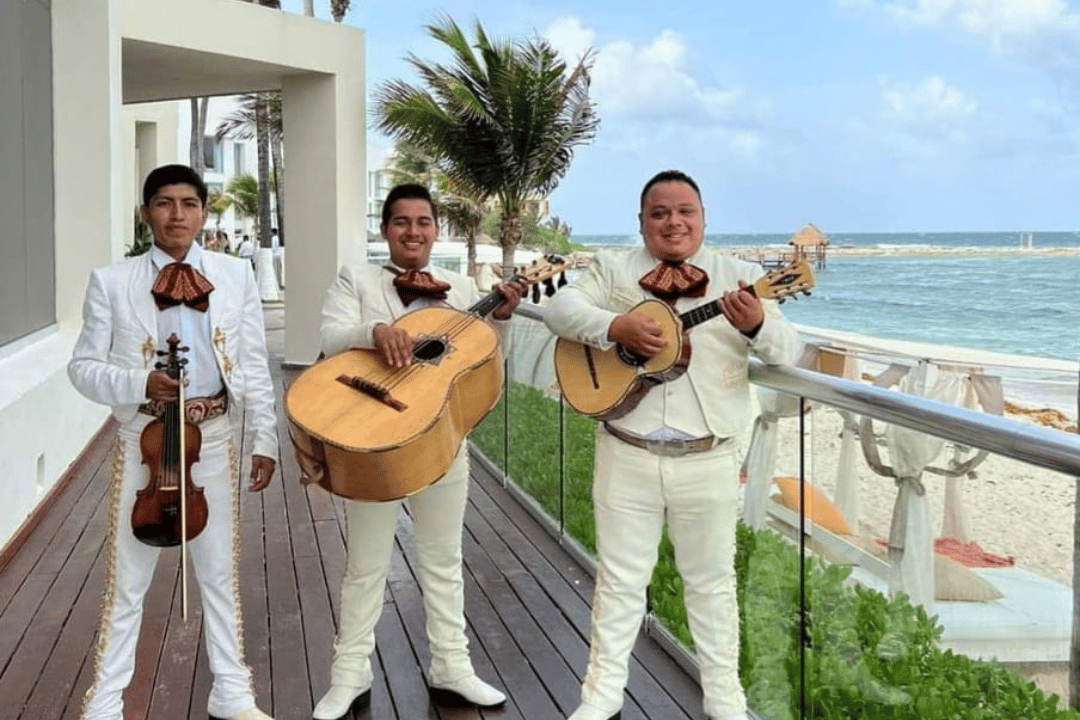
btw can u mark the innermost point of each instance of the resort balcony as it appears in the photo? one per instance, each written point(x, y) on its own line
point(837, 639)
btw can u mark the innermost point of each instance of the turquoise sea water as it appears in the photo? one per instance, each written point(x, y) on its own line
point(973, 290)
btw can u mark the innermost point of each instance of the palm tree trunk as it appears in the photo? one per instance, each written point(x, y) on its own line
point(198, 131)
point(509, 237)
point(268, 281)
point(470, 253)
point(309, 8)
point(1074, 647)
point(279, 186)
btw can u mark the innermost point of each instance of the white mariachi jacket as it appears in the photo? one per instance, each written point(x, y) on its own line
point(583, 311)
point(115, 352)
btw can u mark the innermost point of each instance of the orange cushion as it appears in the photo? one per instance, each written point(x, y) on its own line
point(820, 509)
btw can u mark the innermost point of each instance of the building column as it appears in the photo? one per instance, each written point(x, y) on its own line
point(325, 196)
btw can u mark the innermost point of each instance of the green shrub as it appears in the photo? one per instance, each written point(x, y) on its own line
point(860, 654)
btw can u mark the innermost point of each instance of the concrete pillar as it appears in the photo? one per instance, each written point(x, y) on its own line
point(325, 195)
point(88, 156)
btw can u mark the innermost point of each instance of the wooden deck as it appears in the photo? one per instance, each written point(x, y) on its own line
point(527, 606)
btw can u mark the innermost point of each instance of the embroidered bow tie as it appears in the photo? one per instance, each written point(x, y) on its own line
point(671, 280)
point(180, 283)
point(413, 284)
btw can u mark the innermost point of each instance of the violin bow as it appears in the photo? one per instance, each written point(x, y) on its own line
point(183, 505)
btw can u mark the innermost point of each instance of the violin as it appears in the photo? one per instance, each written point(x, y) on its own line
point(163, 516)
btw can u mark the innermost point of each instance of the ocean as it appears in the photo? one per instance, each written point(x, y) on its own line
point(981, 291)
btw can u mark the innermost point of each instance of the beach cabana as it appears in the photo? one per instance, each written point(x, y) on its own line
point(809, 244)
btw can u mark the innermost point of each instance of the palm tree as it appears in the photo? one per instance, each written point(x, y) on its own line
point(502, 122)
point(242, 193)
point(243, 124)
point(217, 204)
point(338, 8)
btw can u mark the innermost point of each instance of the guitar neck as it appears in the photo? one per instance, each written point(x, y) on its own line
point(708, 311)
point(488, 304)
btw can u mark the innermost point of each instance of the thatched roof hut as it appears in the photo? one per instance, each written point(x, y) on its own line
point(810, 243)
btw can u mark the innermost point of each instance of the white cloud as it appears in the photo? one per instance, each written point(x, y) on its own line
point(650, 82)
point(993, 19)
point(923, 118)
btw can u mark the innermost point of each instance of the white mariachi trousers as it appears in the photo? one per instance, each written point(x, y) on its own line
point(437, 514)
point(634, 492)
point(212, 556)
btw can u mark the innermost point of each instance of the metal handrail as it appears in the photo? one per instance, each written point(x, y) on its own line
point(1044, 447)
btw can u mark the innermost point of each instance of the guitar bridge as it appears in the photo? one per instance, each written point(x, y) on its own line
point(373, 390)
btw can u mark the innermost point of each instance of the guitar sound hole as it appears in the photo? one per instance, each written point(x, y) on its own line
point(630, 357)
point(429, 350)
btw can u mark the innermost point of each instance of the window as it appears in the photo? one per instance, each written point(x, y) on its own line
point(27, 230)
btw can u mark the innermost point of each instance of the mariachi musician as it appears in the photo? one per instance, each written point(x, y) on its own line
point(360, 308)
point(670, 460)
point(211, 303)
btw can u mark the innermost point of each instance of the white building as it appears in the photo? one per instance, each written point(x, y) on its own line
point(87, 89)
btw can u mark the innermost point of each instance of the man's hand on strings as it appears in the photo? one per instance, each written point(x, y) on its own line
point(637, 333)
point(394, 345)
point(743, 310)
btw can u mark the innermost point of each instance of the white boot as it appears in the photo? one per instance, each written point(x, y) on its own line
point(469, 690)
point(589, 712)
point(339, 699)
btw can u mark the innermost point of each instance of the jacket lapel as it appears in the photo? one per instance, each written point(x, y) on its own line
point(142, 302)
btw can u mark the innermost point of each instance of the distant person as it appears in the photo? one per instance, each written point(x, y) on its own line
point(211, 303)
point(246, 250)
point(223, 242)
point(275, 247)
point(671, 459)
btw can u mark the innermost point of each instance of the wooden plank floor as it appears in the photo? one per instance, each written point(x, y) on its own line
point(527, 606)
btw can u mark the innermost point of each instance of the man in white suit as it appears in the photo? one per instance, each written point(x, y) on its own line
point(359, 312)
point(210, 302)
point(671, 458)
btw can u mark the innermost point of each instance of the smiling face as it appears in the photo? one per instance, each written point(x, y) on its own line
point(672, 220)
point(410, 232)
point(175, 215)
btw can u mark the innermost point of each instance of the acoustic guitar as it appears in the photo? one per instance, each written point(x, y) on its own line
point(366, 431)
point(607, 384)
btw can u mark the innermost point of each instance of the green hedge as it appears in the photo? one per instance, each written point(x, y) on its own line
point(864, 655)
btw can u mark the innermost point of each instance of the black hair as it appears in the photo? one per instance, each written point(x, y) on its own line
point(172, 175)
point(407, 191)
point(669, 176)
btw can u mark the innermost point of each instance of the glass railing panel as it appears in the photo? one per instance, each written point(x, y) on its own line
point(850, 635)
point(939, 595)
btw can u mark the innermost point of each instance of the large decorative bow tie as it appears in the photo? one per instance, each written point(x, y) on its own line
point(180, 283)
point(413, 284)
point(671, 280)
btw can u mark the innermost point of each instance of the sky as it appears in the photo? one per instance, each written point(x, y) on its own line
point(856, 115)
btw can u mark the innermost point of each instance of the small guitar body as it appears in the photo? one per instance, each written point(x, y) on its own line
point(607, 384)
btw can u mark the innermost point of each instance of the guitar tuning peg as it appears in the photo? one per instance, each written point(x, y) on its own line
point(562, 278)
point(536, 294)
point(549, 287)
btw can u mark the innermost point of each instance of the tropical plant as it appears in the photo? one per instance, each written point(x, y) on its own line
point(242, 193)
point(217, 204)
point(258, 115)
point(502, 121)
point(338, 8)
point(141, 237)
